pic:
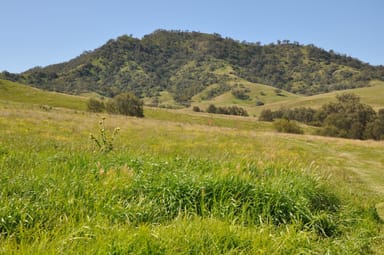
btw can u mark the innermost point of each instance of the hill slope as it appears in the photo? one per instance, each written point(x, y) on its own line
point(184, 64)
point(372, 95)
point(15, 92)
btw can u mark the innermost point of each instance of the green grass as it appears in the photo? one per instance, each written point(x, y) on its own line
point(178, 183)
point(257, 92)
point(372, 95)
point(15, 92)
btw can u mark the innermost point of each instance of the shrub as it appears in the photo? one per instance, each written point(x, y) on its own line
point(211, 108)
point(196, 109)
point(347, 117)
point(266, 115)
point(287, 126)
point(259, 103)
point(111, 107)
point(230, 110)
point(375, 130)
point(95, 105)
point(240, 94)
point(126, 104)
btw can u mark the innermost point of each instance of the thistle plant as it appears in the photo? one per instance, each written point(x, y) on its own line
point(103, 141)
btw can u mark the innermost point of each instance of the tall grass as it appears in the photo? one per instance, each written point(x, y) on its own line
point(74, 198)
point(171, 190)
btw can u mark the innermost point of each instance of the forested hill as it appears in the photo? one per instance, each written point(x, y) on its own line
point(185, 63)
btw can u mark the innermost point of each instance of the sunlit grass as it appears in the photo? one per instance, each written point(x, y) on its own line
point(177, 183)
point(15, 92)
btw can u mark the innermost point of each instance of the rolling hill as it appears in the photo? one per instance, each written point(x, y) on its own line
point(175, 68)
point(14, 92)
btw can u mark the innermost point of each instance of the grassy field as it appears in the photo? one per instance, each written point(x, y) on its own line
point(182, 183)
point(178, 182)
point(15, 92)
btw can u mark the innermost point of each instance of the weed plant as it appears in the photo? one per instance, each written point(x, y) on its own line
point(103, 141)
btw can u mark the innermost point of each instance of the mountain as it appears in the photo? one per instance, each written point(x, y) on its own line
point(184, 64)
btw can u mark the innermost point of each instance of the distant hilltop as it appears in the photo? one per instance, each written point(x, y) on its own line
point(183, 64)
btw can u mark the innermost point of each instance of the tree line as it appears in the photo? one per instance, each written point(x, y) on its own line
point(125, 104)
point(227, 110)
point(347, 118)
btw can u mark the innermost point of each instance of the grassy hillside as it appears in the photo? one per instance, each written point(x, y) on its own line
point(256, 92)
point(182, 183)
point(15, 92)
point(372, 95)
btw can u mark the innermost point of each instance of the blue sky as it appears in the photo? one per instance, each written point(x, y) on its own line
point(43, 32)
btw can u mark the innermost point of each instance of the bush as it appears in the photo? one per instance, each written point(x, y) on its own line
point(110, 107)
point(95, 105)
point(240, 93)
point(230, 110)
point(212, 108)
point(266, 115)
point(126, 104)
point(259, 103)
point(347, 117)
point(196, 109)
point(287, 126)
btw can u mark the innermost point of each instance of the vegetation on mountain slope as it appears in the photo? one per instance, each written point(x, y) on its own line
point(347, 118)
point(186, 63)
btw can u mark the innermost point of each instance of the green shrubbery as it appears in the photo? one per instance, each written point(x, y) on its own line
point(287, 126)
point(240, 93)
point(125, 104)
point(95, 105)
point(346, 117)
point(230, 110)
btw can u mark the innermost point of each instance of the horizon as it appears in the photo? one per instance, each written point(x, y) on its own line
point(44, 33)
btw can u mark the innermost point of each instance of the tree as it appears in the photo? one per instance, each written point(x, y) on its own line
point(347, 117)
point(212, 108)
point(240, 93)
point(375, 129)
point(266, 115)
point(95, 105)
point(196, 109)
point(126, 104)
point(287, 126)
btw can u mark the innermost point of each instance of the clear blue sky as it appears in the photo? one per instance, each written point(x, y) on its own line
point(43, 32)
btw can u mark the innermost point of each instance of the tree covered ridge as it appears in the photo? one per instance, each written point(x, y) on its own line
point(184, 63)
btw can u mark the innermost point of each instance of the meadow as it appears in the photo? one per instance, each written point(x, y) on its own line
point(173, 187)
point(177, 182)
